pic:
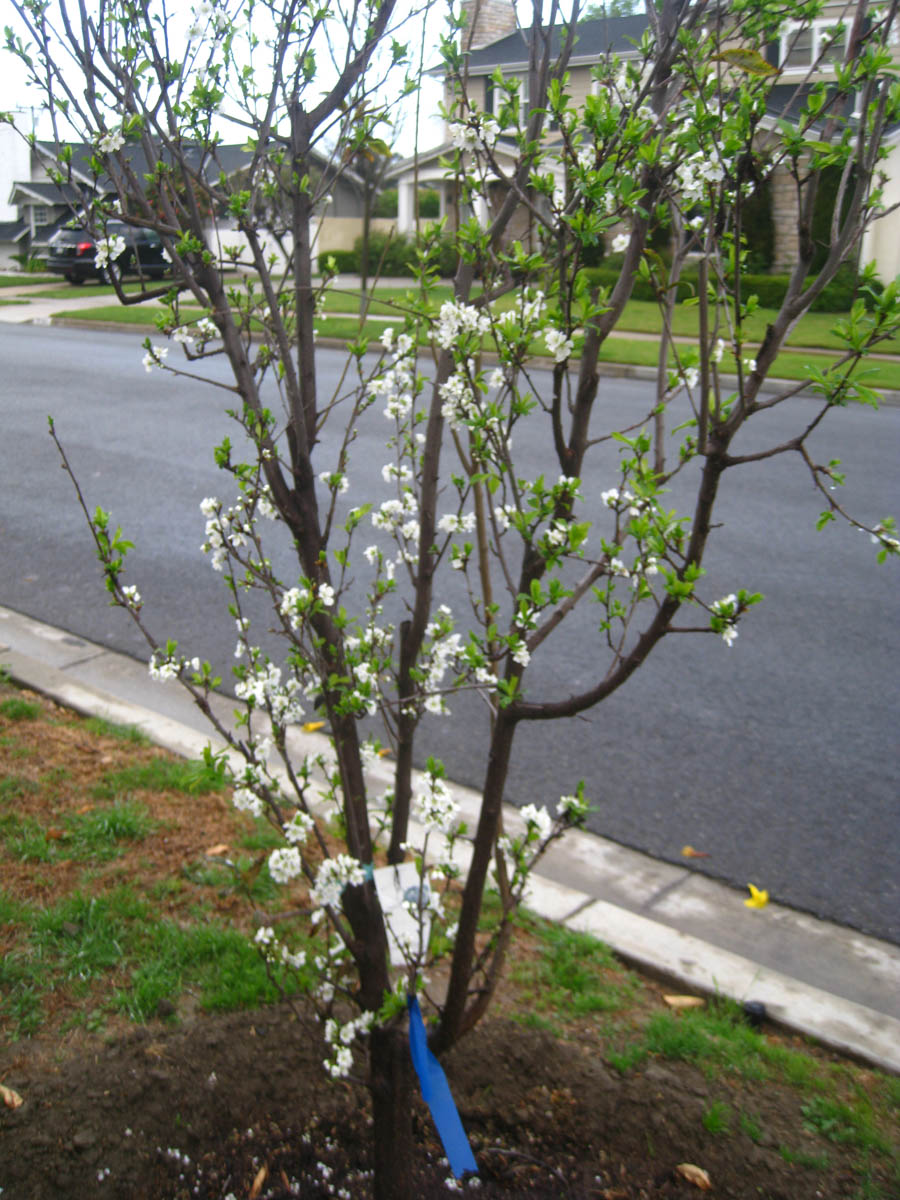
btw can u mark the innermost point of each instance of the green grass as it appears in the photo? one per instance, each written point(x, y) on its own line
point(13, 787)
point(191, 776)
point(790, 364)
point(845, 1124)
point(85, 939)
point(16, 709)
point(802, 1158)
point(750, 1127)
point(717, 1118)
point(94, 835)
point(572, 976)
point(122, 733)
point(24, 279)
point(138, 314)
point(243, 875)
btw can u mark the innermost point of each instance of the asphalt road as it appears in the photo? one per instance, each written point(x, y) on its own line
point(777, 757)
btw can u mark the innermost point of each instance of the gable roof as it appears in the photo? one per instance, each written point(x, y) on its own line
point(594, 39)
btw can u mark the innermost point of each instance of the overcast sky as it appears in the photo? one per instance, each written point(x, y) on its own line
point(25, 102)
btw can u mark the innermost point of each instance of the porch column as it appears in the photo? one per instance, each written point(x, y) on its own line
point(406, 211)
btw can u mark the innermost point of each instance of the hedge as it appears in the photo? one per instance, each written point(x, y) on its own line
point(837, 296)
point(389, 255)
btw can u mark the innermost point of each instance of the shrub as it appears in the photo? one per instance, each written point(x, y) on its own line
point(837, 296)
point(389, 254)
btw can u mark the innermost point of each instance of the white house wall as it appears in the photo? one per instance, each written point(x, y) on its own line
point(881, 241)
point(15, 164)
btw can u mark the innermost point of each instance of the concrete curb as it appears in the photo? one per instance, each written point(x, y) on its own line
point(662, 918)
point(607, 370)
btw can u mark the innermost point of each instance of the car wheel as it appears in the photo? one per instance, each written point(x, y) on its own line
point(78, 280)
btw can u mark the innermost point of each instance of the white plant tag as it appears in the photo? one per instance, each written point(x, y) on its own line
point(394, 886)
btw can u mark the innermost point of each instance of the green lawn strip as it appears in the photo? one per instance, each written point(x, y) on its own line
point(194, 777)
point(639, 316)
point(25, 280)
point(575, 976)
point(113, 943)
point(718, 1040)
point(93, 835)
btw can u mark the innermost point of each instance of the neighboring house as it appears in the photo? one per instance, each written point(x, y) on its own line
point(34, 206)
point(493, 41)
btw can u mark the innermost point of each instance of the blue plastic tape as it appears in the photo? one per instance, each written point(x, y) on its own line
point(436, 1094)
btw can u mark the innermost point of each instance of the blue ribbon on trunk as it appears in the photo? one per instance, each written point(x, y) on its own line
point(436, 1094)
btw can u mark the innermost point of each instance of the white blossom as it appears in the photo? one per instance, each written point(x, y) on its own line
point(334, 875)
point(285, 864)
point(154, 357)
point(108, 249)
point(558, 344)
point(539, 818)
point(112, 141)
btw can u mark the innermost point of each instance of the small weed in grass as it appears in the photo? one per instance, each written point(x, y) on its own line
point(14, 787)
point(96, 834)
point(843, 1124)
point(801, 1158)
point(626, 1060)
point(17, 709)
point(12, 911)
point(717, 1118)
point(262, 837)
point(572, 975)
point(14, 750)
point(122, 733)
point(533, 1020)
point(221, 964)
point(193, 777)
point(715, 1037)
point(27, 840)
point(750, 1127)
point(245, 875)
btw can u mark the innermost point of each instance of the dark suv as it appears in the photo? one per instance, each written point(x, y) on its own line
point(73, 250)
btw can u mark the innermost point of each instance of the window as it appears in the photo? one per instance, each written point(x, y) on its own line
point(40, 214)
point(496, 96)
point(802, 46)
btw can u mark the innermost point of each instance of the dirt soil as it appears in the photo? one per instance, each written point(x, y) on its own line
point(238, 1105)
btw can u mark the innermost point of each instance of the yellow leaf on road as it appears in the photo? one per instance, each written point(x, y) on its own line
point(313, 726)
point(690, 852)
point(758, 897)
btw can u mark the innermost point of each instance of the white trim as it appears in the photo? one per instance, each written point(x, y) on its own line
point(823, 48)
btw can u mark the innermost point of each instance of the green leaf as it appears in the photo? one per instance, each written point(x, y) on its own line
point(747, 60)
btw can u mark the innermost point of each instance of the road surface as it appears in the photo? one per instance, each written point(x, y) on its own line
point(777, 757)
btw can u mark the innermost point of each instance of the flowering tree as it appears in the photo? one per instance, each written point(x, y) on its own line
point(674, 136)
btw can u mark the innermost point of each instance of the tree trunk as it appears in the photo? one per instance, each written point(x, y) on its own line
point(391, 1082)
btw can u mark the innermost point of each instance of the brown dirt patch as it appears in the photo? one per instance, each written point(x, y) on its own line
point(219, 1102)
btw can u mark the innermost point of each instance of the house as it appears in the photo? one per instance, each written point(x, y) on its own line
point(806, 52)
point(34, 205)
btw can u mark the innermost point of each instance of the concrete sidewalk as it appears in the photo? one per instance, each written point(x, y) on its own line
point(815, 977)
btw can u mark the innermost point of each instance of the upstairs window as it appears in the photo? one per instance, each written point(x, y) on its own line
point(41, 214)
point(822, 42)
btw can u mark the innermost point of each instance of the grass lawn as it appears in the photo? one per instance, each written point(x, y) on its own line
point(131, 887)
point(23, 279)
point(791, 364)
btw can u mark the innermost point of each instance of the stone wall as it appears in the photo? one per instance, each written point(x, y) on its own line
point(486, 21)
point(784, 216)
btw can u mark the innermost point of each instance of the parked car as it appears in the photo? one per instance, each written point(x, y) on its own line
point(72, 253)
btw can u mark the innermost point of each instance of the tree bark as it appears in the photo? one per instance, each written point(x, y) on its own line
point(391, 1083)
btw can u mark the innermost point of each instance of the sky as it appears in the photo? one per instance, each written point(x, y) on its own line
point(25, 102)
